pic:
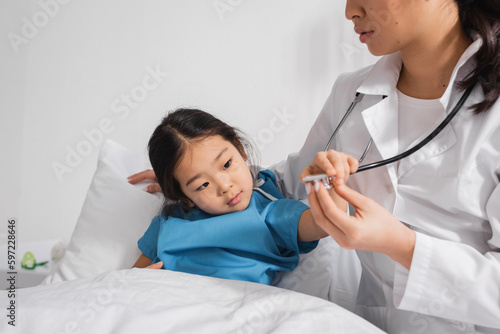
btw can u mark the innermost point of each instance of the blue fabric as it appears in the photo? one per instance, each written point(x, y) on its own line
point(250, 245)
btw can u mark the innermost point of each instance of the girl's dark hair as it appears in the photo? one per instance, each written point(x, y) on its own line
point(483, 16)
point(171, 138)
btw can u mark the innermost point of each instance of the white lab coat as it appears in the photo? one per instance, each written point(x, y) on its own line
point(448, 193)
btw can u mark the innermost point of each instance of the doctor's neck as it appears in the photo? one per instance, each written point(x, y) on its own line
point(429, 62)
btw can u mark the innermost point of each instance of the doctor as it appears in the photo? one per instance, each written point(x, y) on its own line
point(426, 228)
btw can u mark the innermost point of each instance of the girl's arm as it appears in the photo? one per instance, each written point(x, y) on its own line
point(145, 262)
point(308, 229)
point(142, 262)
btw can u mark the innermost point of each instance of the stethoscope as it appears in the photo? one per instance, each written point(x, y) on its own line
point(357, 99)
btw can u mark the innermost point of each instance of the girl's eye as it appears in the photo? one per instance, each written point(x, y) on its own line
point(227, 164)
point(203, 186)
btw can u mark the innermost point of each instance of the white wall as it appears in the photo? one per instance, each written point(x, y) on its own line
point(68, 66)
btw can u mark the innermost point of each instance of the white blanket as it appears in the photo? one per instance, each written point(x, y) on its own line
point(161, 301)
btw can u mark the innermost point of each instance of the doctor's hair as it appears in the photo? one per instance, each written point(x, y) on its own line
point(483, 17)
point(173, 136)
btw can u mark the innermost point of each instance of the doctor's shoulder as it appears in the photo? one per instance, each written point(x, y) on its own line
point(345, 88)
point(350, 81)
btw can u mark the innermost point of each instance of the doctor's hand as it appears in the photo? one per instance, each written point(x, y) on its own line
point(332, 163)
point(148, 174)
point(372, 228)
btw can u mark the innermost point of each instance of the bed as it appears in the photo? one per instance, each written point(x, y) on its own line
point(93, 290)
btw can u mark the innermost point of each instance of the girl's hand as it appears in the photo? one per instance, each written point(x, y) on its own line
point(156, 265)
point(372, 228)
point(332, 163)
point(148, 174)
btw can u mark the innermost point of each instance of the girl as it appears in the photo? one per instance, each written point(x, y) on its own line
point(223, 224)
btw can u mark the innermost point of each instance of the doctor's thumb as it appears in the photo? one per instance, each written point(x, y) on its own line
point(351, 196)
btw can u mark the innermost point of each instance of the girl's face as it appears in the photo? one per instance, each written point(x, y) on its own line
point(214, 176)
point(387, 26)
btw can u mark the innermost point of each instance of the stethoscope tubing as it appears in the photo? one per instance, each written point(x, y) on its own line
point(357, 99)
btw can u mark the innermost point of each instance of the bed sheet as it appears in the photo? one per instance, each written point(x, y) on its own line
point(162, 301)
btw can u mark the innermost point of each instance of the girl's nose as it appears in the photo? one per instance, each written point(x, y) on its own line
point(224, 188)
point(224, 184)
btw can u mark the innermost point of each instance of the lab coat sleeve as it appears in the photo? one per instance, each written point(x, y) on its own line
point(453, 280)
point(288, 171)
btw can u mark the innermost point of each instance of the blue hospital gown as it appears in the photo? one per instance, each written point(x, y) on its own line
point(250, 245)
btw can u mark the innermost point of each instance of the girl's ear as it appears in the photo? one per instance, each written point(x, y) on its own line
point(188, 202)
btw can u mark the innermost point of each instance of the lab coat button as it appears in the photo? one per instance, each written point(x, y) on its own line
point(461, 326)
point(389, 188)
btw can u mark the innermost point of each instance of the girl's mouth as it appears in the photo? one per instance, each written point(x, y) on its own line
point(235, 200)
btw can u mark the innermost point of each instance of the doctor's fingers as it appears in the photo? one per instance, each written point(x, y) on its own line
point(353, 164)
point(343, 164)
point(147, 174)
point(326, 215)
point(153, 188)
point(319, 165)
point(357, 200)
point(331, 163)
point(354, 230)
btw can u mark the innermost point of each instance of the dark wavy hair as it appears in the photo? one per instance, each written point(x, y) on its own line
point(172, 137)
point(483, 16)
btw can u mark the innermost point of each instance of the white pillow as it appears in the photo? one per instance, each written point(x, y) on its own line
point(114, 216)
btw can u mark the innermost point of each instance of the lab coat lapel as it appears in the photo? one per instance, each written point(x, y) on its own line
point(381, 120)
